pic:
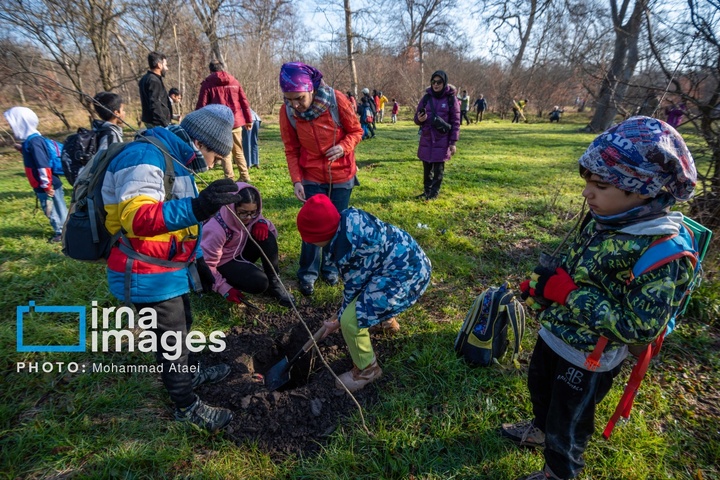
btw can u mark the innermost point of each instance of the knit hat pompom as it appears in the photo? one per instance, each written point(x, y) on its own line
point(643, 155)
point(212, 126)
point(318, 219)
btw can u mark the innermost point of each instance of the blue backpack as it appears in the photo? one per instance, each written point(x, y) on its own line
point(54, 152)
point(692, 242)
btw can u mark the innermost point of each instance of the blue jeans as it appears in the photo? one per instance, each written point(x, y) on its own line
point(57, 211)
point(311, 260)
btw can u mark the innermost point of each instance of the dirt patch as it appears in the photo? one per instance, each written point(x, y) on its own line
point(299, 417)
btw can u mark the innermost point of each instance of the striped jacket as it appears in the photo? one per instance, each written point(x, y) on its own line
point(134, 196)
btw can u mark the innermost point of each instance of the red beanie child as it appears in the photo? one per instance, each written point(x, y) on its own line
point(318, 219)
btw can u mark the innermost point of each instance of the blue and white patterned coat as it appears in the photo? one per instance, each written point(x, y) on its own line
point(381, 265)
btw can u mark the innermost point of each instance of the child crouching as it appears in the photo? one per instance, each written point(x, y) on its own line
point(634, 173)
point(384, 272)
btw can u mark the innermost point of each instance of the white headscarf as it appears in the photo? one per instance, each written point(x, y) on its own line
point(23, 121)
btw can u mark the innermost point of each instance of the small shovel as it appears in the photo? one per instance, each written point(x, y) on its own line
point(279, 374)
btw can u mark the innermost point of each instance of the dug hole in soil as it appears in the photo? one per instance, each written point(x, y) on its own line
point(300, 416)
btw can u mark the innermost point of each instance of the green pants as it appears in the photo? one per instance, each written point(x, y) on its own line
point(357, 339)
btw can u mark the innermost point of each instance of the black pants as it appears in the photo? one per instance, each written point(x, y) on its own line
point(248, 277)
point(463, 114)
point(479, 116)
point(433, 173)
point(516, 117)
point(174, 315)
point(564, 398)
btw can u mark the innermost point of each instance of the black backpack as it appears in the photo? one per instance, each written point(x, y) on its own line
point(483, 338)
point(84, 235)
point(78, 149)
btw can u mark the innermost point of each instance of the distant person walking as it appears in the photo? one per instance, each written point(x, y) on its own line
point(395, 110)
point(480, 107)
point(38, 162)
point(223, 89)
point(464, 107)
point(154, 99)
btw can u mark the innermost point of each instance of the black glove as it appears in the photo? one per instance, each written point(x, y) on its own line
point(207, 279)
point(218, 193)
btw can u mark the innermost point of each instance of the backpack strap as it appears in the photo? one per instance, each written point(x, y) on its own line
point(516, 315)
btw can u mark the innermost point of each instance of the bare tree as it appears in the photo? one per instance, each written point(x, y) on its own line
point(207, 12)
point(627, 25)
point(349, 40)
point(693, 80)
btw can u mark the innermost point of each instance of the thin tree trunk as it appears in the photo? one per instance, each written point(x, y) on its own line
point(350, 54)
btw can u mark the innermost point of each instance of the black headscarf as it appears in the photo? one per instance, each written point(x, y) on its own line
point(443, 75)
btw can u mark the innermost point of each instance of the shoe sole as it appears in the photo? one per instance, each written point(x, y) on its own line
point(517, 441)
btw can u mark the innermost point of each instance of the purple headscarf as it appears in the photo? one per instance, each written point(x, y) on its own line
point(298, 77)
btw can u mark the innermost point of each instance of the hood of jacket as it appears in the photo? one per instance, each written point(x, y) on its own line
point(233, 221)
point(23, 122)
point(445, 92)
point(219, 79)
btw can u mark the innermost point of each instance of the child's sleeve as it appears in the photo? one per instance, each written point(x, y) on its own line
point(38, 153)
point(640, 315)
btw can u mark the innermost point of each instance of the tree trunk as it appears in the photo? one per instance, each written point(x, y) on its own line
point(625, 56)
point(350, 40)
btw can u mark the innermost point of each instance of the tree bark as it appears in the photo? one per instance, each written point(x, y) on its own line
point(350, 48)
point(614, 85)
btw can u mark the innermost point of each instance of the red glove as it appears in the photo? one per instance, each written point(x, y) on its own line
point(534, 303)
point(260, 230)
point(555, 286)
point(235, 296)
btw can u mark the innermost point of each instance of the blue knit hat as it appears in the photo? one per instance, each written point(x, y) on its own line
point(643, 155)
point(212, 126)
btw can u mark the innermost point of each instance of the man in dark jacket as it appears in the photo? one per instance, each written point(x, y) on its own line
point(222, 88)
point(156, 108)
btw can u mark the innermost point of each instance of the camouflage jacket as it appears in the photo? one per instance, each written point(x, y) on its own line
point(608, 301)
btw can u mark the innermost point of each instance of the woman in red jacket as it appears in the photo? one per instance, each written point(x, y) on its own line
point(320, 131)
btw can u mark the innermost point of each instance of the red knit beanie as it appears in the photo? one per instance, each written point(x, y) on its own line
point(318, 219)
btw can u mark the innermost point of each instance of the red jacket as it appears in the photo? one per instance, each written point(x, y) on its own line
point(223, 89)
point(305, 147)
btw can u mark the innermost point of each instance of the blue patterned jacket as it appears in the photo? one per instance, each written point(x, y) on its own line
point(381, 265)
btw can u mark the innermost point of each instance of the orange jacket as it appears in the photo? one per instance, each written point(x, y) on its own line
point(305, 147)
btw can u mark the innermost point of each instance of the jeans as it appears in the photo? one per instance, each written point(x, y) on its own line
point(311, 260)
point(55, 211)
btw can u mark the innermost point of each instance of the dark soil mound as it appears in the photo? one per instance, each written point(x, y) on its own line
point(298, 417)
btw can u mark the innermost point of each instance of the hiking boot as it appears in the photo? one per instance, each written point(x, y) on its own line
point(284, 299)
point(55, 239)
point(545, 474)
point(331, 280)
point(422, 196)
point(307, 289)
point(524, 433)
point(204, 416)
point(210, 374)
point(389, 327)
point(356, 379)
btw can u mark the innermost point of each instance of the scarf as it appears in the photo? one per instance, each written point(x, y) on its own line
point(321, 102)
point(655, 208)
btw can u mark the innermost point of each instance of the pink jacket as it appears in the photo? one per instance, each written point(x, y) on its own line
point(218, 249)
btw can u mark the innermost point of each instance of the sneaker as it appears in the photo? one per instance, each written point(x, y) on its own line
point(307, 289)
point(544, 474)
point(524, 433)
point(390, 327)
point(210, 374)
point(204, 416)
point(356, 379)
point(422, 196)
point(331, 280)
point(55, 239)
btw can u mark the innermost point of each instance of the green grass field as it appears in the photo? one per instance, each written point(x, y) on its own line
point(511, 191)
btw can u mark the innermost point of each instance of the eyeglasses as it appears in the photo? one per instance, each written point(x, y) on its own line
point(436, 82)
point(244, 214)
